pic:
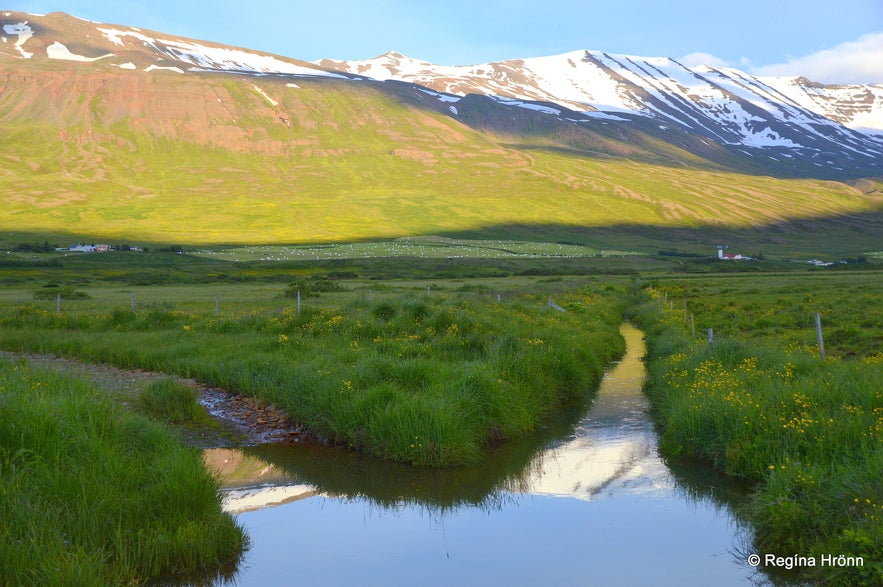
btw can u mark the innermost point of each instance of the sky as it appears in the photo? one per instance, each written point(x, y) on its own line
point(825, 40)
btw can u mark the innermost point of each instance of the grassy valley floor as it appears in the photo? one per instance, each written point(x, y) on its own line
point(433, 372)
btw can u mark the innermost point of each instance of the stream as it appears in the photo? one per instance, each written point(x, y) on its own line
point(587, 501)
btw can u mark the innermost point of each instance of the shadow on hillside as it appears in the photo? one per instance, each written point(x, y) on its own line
point(831, 236)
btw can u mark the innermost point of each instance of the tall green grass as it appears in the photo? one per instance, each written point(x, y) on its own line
point(169, 400)
point(93, 495)
point(428, 380)
point(808, 431)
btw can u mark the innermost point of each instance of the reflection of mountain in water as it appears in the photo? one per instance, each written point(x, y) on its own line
point(250, 483)
point(611, 449)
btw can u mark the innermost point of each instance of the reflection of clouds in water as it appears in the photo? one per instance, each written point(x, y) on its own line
point(249, 483)
point(587, 470)
point(613, 449)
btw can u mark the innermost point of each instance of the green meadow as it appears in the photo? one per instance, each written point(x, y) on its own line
point(355, 162)
point(419, 247)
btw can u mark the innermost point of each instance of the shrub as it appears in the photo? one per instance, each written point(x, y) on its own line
point(66, 292)
point(309, 288)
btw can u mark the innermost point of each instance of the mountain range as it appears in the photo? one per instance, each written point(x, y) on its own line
point(105, 124)
point(839, 129)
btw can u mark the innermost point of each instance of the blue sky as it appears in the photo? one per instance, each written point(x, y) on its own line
point(833, 42)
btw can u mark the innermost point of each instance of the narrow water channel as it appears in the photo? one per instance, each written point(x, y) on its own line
point(588, 501)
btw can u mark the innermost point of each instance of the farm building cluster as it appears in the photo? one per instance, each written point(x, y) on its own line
point(731, 256)
point(100, 248)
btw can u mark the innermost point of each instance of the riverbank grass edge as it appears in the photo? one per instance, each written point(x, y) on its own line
point(93, 494)
point(807, 431)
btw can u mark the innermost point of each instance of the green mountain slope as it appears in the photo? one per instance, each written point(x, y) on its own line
point(111, 154)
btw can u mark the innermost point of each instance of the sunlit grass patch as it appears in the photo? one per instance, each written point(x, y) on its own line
point(427, 247)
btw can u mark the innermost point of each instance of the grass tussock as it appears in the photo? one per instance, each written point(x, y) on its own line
point(92, 495)
point(169, 400)
point(808, 431)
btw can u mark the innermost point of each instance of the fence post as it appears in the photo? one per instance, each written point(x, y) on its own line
point(298, 301)
point(819, 336)
point(217, 304)
point(711, 336)
point(58, 304)
point(693, 326)
point(555, 306)
point(133, 301)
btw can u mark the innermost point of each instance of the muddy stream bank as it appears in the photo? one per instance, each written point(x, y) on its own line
point(237, 420)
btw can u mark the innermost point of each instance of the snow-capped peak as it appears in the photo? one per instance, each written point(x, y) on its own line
point(727, 105)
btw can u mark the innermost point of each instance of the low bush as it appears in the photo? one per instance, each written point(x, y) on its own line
point(309, 288)
point(66, 293)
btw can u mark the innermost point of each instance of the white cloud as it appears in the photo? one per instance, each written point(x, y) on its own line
point(697, 59)
point(858, 62)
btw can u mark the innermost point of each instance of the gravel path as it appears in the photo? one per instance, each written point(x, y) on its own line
point(240, 421)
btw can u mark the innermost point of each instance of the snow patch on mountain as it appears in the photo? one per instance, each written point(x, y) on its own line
point(266, 96)
point(59, 51)
point(441, 97)
point(205, 58)
point(150, 68)
point(530, 106)
point(24, 32)
point(859, 107)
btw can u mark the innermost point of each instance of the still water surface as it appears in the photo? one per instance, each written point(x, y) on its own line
point(588, 501)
